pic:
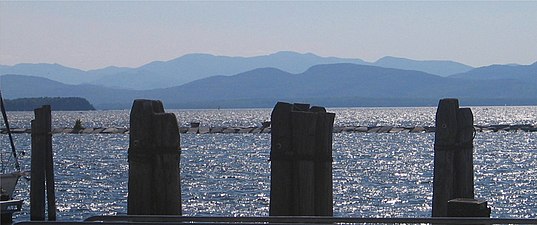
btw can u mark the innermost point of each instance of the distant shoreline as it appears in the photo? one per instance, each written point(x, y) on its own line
point(56, 104)
point(81, 104)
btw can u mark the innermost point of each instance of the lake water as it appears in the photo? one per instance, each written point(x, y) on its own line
point(375, 175)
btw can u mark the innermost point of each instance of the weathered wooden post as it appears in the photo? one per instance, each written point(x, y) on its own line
point(37, 183)
point(444, 144)
point(301, 161)
point(324, 204)
point(281, 166)
point(42, 167)
point(453, 158)
point(463, 162)
point(154, 184)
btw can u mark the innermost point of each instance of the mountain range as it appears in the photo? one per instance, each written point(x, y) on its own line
point(334, 84)
point(191, 67)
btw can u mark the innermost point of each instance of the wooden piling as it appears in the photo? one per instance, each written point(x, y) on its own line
point(453, 155)
point(301, 161)
point(42, 171)
point(323, 171)
point(281, 166)
point(37, 183)
point(463, 162)
point(154, 184)
point(303, 142)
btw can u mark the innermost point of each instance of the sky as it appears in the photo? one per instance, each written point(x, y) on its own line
point(97, 34)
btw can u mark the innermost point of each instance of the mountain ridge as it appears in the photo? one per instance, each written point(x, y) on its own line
point(438, 67)
point(342, 84)
point(527, 73)
point(190, 67)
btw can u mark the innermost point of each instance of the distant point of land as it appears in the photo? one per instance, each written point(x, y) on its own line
point(56, 103)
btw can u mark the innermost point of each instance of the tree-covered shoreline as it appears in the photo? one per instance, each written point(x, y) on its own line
point(56, 103)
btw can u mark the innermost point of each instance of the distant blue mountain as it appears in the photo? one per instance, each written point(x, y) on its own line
point(342, 84)
point(341, 81)
point(22, 86)
point(437, 67)
point(191, 67)
point(51, 71)
point(111, 70)
point(524, 73)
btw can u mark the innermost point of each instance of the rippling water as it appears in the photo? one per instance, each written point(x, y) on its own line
point(375, 175)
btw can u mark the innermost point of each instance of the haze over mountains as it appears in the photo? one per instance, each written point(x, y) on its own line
point(192, 67)
point(206, 81)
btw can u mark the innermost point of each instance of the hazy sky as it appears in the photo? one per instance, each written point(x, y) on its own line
point(90, 35)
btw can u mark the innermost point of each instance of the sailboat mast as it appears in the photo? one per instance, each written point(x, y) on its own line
point(4, 114)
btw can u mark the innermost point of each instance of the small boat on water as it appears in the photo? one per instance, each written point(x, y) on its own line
point(8, 180)
point(8, 205)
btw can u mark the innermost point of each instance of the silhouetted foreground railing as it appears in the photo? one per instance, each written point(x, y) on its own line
point(152, 220)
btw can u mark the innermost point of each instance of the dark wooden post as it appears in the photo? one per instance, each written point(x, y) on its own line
point(37, 183)
point(281, 166)
point(42, 166)
point(154, 184)
point(453, 155)
point(324, 203)
point(301, 161)
point(463, 162)
point(303, 143)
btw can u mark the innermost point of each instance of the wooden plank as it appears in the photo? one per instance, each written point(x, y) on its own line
point(324, 199)
point(37, 183)
point(49, 163)
point(281, 166)
point(463, 163)
point(303, 143)
point(445, 139)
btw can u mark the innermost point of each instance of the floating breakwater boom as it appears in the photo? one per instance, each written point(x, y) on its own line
point(267, 129)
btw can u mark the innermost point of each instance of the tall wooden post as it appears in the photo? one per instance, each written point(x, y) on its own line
point(453, 155)
point(42, 167)
point(37, 183)
point(463, 162)
point(154, 184)
point(323, 170)
point(281, 166)
point(301, 161)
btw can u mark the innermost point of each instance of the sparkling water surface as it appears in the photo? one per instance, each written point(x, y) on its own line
point(375, 175)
